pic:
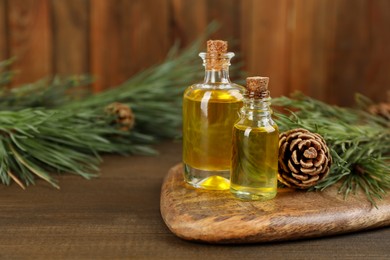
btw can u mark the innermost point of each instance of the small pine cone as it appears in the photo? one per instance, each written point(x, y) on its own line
point(381, 109)
point(124, 115)
point(304, 158)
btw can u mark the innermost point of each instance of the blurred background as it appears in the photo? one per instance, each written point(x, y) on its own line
point(328, 49)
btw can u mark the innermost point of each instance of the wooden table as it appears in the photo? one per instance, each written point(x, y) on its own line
point(118, 215)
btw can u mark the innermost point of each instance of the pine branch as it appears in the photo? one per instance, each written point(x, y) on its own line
point(36, 140)
point(154, 94)
point(27, 146)
point(359, 143)
point(53, 130)
point(47, 93)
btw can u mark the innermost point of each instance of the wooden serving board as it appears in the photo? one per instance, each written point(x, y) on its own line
point(216, 217)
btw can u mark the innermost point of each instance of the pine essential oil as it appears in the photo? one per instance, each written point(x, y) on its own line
point(206, 123)
point(209, 112)
point(255, 146)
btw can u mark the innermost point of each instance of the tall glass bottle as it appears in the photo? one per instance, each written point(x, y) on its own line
point(209, 112)
point(255, 145)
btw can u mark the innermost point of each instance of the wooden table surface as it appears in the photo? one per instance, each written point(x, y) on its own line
point(118, 216)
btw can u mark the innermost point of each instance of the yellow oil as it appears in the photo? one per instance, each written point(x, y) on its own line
point(214, 182)
point(208, 118)
point(254, 162)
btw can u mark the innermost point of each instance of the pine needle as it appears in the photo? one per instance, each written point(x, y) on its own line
point(50, 126)
point(359, 143)
point(16, 180)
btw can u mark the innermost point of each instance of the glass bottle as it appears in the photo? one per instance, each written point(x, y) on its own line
point(255, 145)
point(209, 112)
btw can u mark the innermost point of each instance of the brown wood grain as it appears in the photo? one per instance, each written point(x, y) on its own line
point(117, 216)
point(351, 51)
point(216, 217)
point(126, 37)
point(377, 72)
point(70, 36)
point(146, 37)
point(228, 14)
point(267, 38)
point(30, 39)
point(3, 32)
point(104, 38)
point(329, 49)
point(311, 43)
point(189, 18)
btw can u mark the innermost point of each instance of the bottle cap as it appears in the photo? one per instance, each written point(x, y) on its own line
point(216, 55)
point(257, 87)
point(217, 47)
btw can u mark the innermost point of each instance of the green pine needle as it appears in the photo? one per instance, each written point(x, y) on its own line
point(50, 126)
point(359, 143)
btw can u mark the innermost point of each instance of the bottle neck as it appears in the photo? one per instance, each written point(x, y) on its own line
point(217, 76)
point(257, 108)
point(216, 67)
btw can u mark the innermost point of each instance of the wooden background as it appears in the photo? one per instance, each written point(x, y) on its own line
point(326, 48)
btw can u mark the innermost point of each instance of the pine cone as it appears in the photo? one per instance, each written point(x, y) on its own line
point(304, 158)
point(124, 115)
point(381, 109)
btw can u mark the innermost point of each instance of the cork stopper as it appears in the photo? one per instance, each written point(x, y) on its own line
point(217, 47)
point(257, 87)
point(216, 57)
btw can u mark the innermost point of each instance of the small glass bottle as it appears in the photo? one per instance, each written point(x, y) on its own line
point(209, 112)
point(255, 145)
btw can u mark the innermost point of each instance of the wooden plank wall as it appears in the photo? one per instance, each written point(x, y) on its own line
point(3, 33)
point(328, 49)
point(30, 38)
